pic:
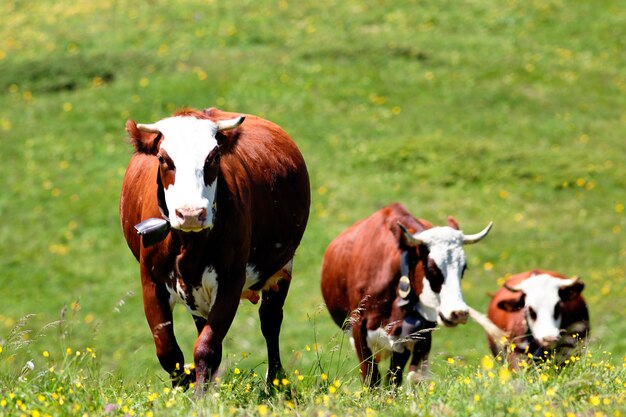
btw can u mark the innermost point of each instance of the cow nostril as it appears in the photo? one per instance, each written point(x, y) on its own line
point(179, 215)
point(459, 316)
point(202, 215)
point(548, 340)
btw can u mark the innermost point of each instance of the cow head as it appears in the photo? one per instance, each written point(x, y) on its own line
point(441, 299)
point(188, 149)
point(542, 297)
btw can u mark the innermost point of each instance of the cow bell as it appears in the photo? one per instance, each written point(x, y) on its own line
point(404, 289)
point(153, 230)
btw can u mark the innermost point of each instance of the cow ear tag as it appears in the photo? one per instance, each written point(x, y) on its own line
point(404, 288)
point(152, 230)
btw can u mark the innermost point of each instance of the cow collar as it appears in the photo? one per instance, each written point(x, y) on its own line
point(409, 303)
point(404, 286)
point(154, 230)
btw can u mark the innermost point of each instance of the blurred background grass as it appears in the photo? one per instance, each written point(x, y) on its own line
point(509, 111)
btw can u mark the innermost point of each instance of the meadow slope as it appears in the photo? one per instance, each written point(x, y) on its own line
point(510, 111)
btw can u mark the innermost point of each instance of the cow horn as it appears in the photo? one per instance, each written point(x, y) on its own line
point(230, 123)
point(469, 239)
point(150, 128)
point(569, 282)
point(512, 289)
point(410, 239)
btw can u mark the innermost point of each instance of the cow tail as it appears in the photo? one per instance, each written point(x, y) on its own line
point(494, 332)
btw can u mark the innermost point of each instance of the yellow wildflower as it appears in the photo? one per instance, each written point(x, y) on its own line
point(594, 400)
point(486, 362)
point(504, 375)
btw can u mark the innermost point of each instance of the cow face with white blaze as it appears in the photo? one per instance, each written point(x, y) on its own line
point(542, 297)
point(441, 299)
point(189, 156)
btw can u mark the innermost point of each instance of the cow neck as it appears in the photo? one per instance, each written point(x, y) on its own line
point(161, 198)
point(192, 259)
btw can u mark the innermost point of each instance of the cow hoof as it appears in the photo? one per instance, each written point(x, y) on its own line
point(184, 378)
point(275, 379)
point(414, 378)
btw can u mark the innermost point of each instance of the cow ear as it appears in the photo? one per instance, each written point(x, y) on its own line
point(453, 223)
point(143, 141)
point(227, 139)
point(512, 304)
point(210, 112)
point(571, 291)
point(407, 239)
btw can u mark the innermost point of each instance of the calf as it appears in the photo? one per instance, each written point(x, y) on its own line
point(213, 208)
point(394, 277)
point(543, 313)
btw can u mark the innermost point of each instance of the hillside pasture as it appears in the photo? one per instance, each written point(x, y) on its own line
point(512, 112)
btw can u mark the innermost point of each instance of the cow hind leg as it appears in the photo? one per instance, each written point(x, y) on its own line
point(370, 374)
point(271, 317)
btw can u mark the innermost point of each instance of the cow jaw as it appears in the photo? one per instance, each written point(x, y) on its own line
point(445, 247)
point(187, 142)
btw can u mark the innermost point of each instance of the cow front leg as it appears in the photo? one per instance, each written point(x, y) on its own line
point(368, 364)
point(396, 366)
point(207, 352)
point(160, 319)
point(271, 317)
point(418, 369)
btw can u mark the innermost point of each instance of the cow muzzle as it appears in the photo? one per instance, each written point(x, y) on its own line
point(191, 219)
point(454, 318)
point(548, 342)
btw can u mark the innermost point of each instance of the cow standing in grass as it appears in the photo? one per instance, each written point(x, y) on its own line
point(543, 313)
point(220, 206)
point(391, 278)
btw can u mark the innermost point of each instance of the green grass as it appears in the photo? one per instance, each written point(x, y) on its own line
point(506, 111)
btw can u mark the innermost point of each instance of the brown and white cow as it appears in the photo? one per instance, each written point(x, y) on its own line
point(392, 277)
point(543, 313)
point(236, 197)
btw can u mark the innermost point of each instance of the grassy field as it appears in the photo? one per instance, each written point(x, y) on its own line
point(510, 111)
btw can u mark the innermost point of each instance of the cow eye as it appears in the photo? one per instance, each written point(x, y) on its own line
point(532, 313)
point(211, 166)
